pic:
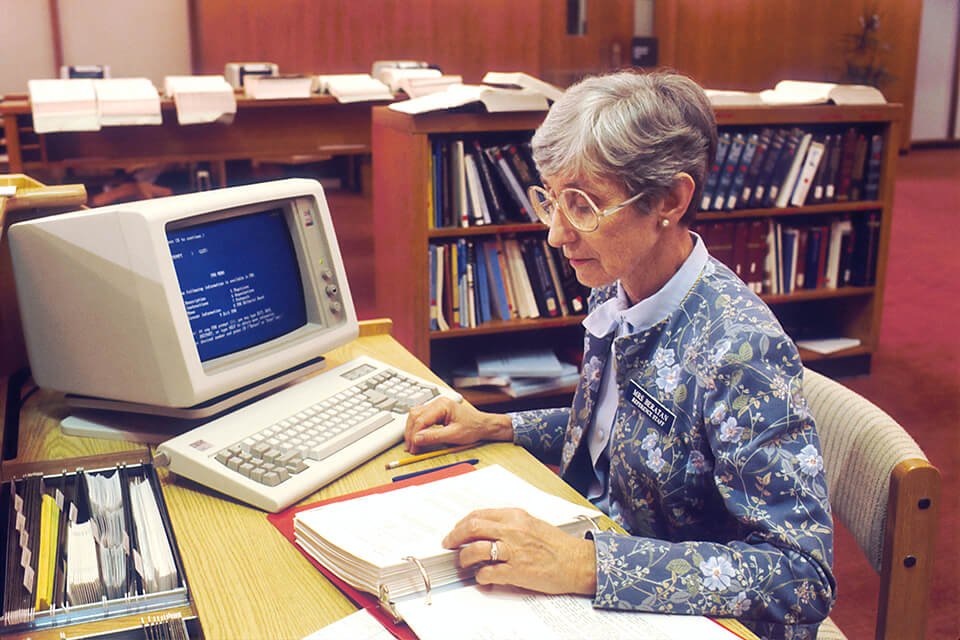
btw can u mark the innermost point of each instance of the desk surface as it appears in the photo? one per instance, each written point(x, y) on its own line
point(245, 579)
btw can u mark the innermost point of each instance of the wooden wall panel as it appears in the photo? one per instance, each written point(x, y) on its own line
point(465, 37)
point(752, 44)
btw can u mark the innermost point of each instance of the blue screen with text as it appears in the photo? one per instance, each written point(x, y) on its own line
point(240, 281)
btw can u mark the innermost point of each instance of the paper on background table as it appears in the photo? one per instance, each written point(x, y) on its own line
point(63, 105)
point(127, 101)
point(201, 99)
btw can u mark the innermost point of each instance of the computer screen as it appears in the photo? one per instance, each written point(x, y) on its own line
point(180, 302)
point(237, 295)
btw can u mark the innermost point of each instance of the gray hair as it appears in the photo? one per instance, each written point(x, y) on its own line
point(635, 129)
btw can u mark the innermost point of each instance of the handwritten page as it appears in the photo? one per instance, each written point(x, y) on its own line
point(483, 613)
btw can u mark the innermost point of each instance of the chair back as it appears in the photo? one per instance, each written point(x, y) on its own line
point(883, 489)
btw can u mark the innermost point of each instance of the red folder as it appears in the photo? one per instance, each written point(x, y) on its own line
point(283, 521)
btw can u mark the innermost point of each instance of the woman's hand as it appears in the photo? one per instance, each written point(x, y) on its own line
point(530, 553)
point(443, 421)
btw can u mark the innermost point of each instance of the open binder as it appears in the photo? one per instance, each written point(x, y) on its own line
point(89, 543)
point(339, 538)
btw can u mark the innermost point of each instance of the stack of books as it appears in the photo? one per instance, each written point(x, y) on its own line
point(518, 373)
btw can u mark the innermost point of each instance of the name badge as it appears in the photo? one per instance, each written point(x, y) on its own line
point(650, 406)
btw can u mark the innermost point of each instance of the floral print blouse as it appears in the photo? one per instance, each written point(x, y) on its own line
point(714, 462)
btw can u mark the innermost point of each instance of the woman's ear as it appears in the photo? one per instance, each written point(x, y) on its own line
point(677, 199)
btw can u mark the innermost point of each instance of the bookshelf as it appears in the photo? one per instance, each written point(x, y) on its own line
point(401, 199)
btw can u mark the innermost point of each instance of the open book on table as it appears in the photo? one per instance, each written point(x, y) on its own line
point(799, 92)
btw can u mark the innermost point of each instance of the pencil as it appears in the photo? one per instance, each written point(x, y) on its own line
point(426, 456)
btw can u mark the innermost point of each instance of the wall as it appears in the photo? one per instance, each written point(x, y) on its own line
point(936, 66)
point(137, 39)
point(466, 38)
point(144, 38)
point(752, 44)
point(26, 44)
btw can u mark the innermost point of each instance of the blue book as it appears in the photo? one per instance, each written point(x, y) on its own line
point(498, 289)
point(483, 285)
point(437, 170)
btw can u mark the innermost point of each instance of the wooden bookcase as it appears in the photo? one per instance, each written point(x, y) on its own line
point(401, 184)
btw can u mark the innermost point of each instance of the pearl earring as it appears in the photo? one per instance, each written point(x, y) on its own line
point(664, 222)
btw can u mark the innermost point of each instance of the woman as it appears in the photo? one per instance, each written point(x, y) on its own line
point(688, 427)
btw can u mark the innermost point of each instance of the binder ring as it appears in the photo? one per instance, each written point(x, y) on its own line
point(423, 575)
point(593, 524)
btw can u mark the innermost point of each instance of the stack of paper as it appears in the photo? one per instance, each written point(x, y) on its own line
point(353, 87)
point(127, 101)
point(265, 87)
point(63, 105)
point(201, 99)
point(518, 373)
point(524, 81)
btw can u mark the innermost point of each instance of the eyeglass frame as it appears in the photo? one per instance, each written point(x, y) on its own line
point(598, 213)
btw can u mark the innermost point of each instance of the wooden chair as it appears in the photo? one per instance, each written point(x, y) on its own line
point(883, 489)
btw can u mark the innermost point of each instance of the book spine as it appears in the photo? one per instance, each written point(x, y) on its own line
point(756, 167)
point(524, 208)
point(498, 290)
point(807, 173)
point(793, 172)
point(710, 186)
point(759, 197)
point(555, 278)
point(871, 189)
point(491, 188)
point(551, 302)
point(729, 171)
point(740, 177)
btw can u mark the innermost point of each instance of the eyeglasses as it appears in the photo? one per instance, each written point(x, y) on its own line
point(579, 209)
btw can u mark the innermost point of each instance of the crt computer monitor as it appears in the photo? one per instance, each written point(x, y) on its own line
point(182, 306)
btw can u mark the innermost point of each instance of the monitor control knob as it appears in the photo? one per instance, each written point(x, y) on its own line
point(327, 275)
point(335, 307)
point(332, 290)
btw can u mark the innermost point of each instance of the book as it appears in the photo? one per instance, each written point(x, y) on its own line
point(478, 199)
point(783, 166)
point(866, 235)
point(201, 99)
point(728, 171)
point(493, 100)
point(871, 187)
point(816, 193)
point(401, 556)
point(848, 151)
point(63, 105)
point(804, 92)
point(394, 77)
point(127, 102)
point(439, 261)
point(520, 363)
point(793, 173)
point(522, 286)
point(498, 290)
point(740, 177)
point(720, 157)
point(417, 86)
point(523, 81)
point(353, 87)
point(808, 171)
point(521, 387)
point(838, 229)
point(759, 196)
point(278, 87)
point(522, 207)
point(539, 273)
point(858, 171)
point(492, 189)
point(832, 169)
point(555, 277)
point(757, 250)
point(460, 200)
point(828, 345)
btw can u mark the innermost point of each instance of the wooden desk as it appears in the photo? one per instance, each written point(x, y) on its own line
point(245, 579)
point(268, 130)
